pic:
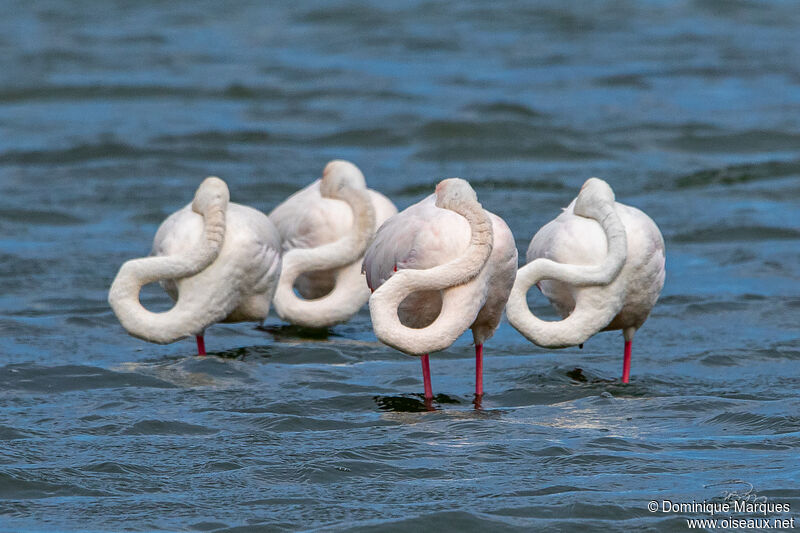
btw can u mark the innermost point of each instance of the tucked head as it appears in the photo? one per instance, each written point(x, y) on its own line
point(454, 191)
point(339, 174)
point(594, 193)
point(212, 191)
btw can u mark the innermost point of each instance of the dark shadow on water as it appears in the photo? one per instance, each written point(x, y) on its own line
point(576, 374)
point(288, 331)
point(235, 353)
point(242, 353)
point(412, 404)
point(612, 386)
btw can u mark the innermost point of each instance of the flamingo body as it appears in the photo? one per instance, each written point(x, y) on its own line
point(438, 268)
point(424, 236)
point(325, 228)
point(307, 220)
point(577, 240)
point(240, 283)
point(602, 266)
point(218, 260)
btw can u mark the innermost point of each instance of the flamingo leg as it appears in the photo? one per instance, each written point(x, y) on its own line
point(626, 362)
point(201, 345)
point(627, 334)
point(426, 377)
point(478, 370)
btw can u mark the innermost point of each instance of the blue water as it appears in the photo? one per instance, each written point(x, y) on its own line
point(111, 114)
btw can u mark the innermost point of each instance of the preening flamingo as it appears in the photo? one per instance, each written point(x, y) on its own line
point(218, 260)
point(601, 265)
point(439, 267)
point(326, 228)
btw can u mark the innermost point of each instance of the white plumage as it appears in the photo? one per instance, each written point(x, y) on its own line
point(424, 236)
point(602, 266)
point(307, 220)
point(577, 240)
point(325, 228)
point(439, 267)
point(218, 260)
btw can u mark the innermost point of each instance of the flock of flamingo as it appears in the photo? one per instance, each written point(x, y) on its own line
point(429, 273)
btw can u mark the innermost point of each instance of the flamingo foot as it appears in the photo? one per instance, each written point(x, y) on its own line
point(477, 403)
point(478, 370)
point(626, 362)
point(201, 345)
point(426, 377)
point(429, 405)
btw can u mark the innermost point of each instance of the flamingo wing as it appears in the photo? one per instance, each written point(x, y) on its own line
point(258, 247)
point(569, 239)
point(420, 237)
point(180, 232)
point(307, 220)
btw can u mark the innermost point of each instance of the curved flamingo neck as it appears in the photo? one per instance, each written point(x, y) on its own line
point(596, 304)
point(460, 305)
point(182, 320)
point(343, 301)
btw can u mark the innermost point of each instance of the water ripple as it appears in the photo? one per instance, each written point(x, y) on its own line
point(65, 378)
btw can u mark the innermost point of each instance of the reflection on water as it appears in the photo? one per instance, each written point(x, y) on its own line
point(415, 404)
point(289, 332)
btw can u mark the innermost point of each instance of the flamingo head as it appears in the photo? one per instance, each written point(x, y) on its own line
point(213, 191)
point(594, 194)
point(339, 174)
point(453, 192)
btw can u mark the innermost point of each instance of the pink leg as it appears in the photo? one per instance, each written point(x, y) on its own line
point(201, 345)
point(479, 370)
point(426, 377)
point(626, 362)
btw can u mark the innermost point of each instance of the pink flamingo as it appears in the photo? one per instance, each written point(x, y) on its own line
point(601, 265)
point(218, 260)
point(326, 228)
point(437, 268)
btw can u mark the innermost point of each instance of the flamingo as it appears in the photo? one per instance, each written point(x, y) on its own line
point(326, 228)
point(219, 261)
point(439, 267)
point(601, 265)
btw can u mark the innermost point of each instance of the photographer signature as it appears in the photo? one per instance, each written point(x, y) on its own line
point(743, 491)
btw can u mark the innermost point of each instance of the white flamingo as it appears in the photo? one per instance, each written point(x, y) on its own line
point(326, 228)
point(439, 267)
point(218, 260)
point(601, 265)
